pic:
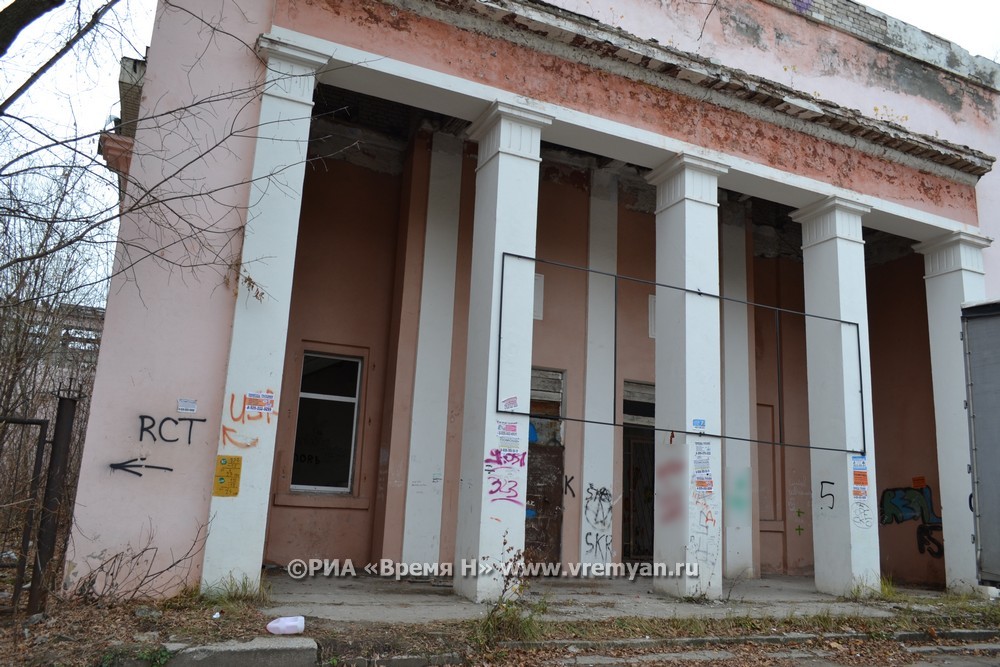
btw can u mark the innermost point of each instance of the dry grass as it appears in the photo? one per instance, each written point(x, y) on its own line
point(74, 633)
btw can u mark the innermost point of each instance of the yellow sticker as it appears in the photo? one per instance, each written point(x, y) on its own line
point(227, 475)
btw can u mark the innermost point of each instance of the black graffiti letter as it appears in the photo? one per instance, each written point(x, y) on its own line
point(163, 437)
point(190, 421)
point(146, 428)
point(823, 494)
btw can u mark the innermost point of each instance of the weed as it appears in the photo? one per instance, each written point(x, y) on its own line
point(864, 591)
point(110, 658)
point(886, 591)
point(156, 657)
point(239, 591)
point(691, 626)
point(742, 624)
point(823, 621)
point(888, 588)
point(135, 573)
point(510, 617)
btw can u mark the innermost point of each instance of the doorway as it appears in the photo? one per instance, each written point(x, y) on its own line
point(544, 507)
point(638, 463)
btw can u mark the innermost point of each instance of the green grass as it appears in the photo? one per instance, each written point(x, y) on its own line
point(509, 620)
point(238, 591)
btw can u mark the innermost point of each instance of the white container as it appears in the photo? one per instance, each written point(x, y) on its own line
point(287, 625)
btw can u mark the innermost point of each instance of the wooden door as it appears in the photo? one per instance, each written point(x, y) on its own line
point(544, 507)
point(637, 503)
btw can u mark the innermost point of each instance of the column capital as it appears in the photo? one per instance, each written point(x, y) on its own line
point(955, 251)
point(291, 68)
point(684, 161)
point(686, 177)
point(508, 128)
point(830, 218)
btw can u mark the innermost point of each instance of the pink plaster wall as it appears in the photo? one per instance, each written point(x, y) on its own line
point(905, 444)
point(495, 62)
point(459, 349)
point(398, 410)
point(821, 61)
point(635, 349)
point(636, 259)
point(559, 341)
point(342, 296)
point(167, 328)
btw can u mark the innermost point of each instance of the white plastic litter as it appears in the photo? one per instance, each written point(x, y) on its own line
point(287, 625)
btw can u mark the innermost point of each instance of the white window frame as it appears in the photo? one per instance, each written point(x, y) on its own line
point(356, 400)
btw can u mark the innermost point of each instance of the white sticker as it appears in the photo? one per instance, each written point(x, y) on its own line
point(259, 402)
point(187, 405)
point(507, 432)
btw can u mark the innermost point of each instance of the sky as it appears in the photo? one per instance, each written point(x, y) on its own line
point(972, 24)
point(81, 91)
point(93, 93)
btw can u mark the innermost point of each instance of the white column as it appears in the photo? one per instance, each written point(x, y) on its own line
point(844, 502)
point(493, 485)
point(738, 454)
point(235, 544)
point(597, 483)
point(688, 513)
point(953, 267)
point(429, 422)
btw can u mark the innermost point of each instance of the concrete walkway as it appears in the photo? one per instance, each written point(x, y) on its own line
point(383, 600)
point(366, 598)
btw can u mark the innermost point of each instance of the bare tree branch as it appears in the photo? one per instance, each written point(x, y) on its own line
point(67, 47)
point(20, 14)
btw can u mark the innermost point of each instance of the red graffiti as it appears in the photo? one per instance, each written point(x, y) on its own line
point(501, 459)
point(229, 437)
point(505, 490)
point(244, 416)
point(259, 409)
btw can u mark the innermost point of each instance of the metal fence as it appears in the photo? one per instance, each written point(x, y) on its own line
point(34, 505)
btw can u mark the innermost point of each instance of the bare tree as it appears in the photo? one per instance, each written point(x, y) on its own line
point(60, 207)
point(20, 14)
point(185, 222)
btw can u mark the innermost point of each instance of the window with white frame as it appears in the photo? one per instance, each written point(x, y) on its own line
point(326, 432)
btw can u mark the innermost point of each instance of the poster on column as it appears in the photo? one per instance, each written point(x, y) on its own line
point(507, 433)
point(227, 476)
point(701, 469)
point(859, 465)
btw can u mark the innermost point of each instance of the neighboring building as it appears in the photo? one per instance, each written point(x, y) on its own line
point(373, 367)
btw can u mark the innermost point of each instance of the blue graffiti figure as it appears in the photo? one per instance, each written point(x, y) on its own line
point(908, 504)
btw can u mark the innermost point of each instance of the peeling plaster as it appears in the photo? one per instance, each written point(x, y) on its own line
point(551, 69)
point(741, 23)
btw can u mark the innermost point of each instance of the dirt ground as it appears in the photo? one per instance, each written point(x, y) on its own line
point(74, 633)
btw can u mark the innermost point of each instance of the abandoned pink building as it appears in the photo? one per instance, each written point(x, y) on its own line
point(653, 281)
